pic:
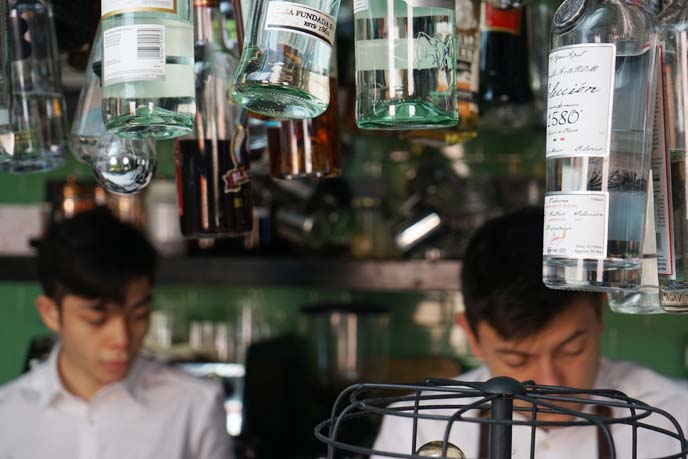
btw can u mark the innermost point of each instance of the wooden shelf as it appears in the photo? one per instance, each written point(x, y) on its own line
point(393, 275)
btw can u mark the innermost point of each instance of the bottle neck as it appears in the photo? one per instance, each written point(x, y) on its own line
point(208, 22)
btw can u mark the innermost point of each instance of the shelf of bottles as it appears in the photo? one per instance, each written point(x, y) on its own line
point(266, 108)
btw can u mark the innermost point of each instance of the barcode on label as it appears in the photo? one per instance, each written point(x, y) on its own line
point(149, 43)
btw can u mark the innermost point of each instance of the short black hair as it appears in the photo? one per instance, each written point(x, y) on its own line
point(501, 277)
point(94, 255)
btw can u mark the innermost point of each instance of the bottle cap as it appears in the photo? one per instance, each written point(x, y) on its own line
point(568, 14)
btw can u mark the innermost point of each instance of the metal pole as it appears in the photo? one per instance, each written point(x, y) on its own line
point(500, 434)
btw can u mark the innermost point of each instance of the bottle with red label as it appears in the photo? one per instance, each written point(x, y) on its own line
point(213, 178)
point(505, 93)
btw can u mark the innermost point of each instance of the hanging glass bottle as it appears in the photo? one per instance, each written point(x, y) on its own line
point(148, 81)
point(405, 64)
point(38, 107)
point(213, 177)
point(600, 114)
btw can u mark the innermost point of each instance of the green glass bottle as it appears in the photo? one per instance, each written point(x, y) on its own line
point(148, 77)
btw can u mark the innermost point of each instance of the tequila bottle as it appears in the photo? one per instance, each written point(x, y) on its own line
point(213, 178)
point(39, 117)
point(601, 88)
point(148, 79)
point(405, 64)
point(284, 68)
point(674, 39)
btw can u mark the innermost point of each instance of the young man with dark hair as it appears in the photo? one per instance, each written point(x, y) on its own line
point(94, 397)
point(522, 329)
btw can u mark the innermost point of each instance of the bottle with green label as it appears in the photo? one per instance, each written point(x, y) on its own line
point(405, 64)
point(148, 77)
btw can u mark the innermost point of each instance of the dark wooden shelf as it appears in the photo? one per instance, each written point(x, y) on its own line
point(399, 275)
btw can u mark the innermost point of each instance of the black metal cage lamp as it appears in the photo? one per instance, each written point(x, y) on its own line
point(496, 396)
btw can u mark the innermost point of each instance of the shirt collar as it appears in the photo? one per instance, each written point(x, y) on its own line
point(52, 387)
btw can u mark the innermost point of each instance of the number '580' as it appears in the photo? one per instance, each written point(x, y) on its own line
point(558, 118)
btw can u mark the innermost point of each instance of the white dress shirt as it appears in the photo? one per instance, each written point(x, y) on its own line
point(560, 443)
point(156, 412)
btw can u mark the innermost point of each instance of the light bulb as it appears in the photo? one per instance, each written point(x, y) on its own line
point(434, 449)
point(124, 166)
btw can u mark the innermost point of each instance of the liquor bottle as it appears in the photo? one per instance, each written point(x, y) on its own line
point(38, 107)
point(539, 14)
point(6, 135)
point(504, 87)
point(148, 80)
point(601, 95)
point(285, 60)
point(213, 179)
point(673, 229)
point(405, 64)
point(310, 147)
point(467, 79)
point(88, 127)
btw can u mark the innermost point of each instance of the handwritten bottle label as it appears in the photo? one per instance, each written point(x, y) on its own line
point(297, 18)
point(112, 7)
point(576, 225)
point(579, 103)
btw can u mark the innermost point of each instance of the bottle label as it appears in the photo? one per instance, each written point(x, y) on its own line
point(500, 20)
point(661, 187)
point(467, 71)
point(112, 7)
point(360, 5)
point(579, 101)
point(301, 19)
point(422, 51)
point(234, 178)
point(576, 225)
point(133, 53)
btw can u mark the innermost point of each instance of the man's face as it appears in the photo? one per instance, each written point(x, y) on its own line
point(100, 339)
point(565, 353)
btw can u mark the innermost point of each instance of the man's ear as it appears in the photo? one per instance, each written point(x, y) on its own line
point(462, 322)
point(50, 313)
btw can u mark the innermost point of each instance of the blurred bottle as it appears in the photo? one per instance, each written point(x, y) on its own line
point(38, 106)
point(213, 178)
point(505, 94)
point(467, 79)
point(6, 135)
point(539, 14)
point(310, 147)
point(88, 127)
point(370, 235)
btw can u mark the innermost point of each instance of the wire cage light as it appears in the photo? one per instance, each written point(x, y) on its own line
point(454, 402)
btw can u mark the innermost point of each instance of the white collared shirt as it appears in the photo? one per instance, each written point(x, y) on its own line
point(156, 412)
point(561, 443)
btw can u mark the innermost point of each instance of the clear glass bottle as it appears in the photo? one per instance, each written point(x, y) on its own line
point(148, 80)
point(310, 147)
point(88, 127)
point(599, 138)
point(213, 178)
point(539, 14)
point(284, 68)
point(436, 449)
point(405, 64)
point(674, 40)
point(6, 135)
point(467, 79)
point(39, 117)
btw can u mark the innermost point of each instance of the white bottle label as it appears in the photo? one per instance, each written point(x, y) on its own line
point(360, 5)
point(133, 53)
point(297, 18)
point(580, 97)
point(110, 7)
point(576, 225)
point(661, 187)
